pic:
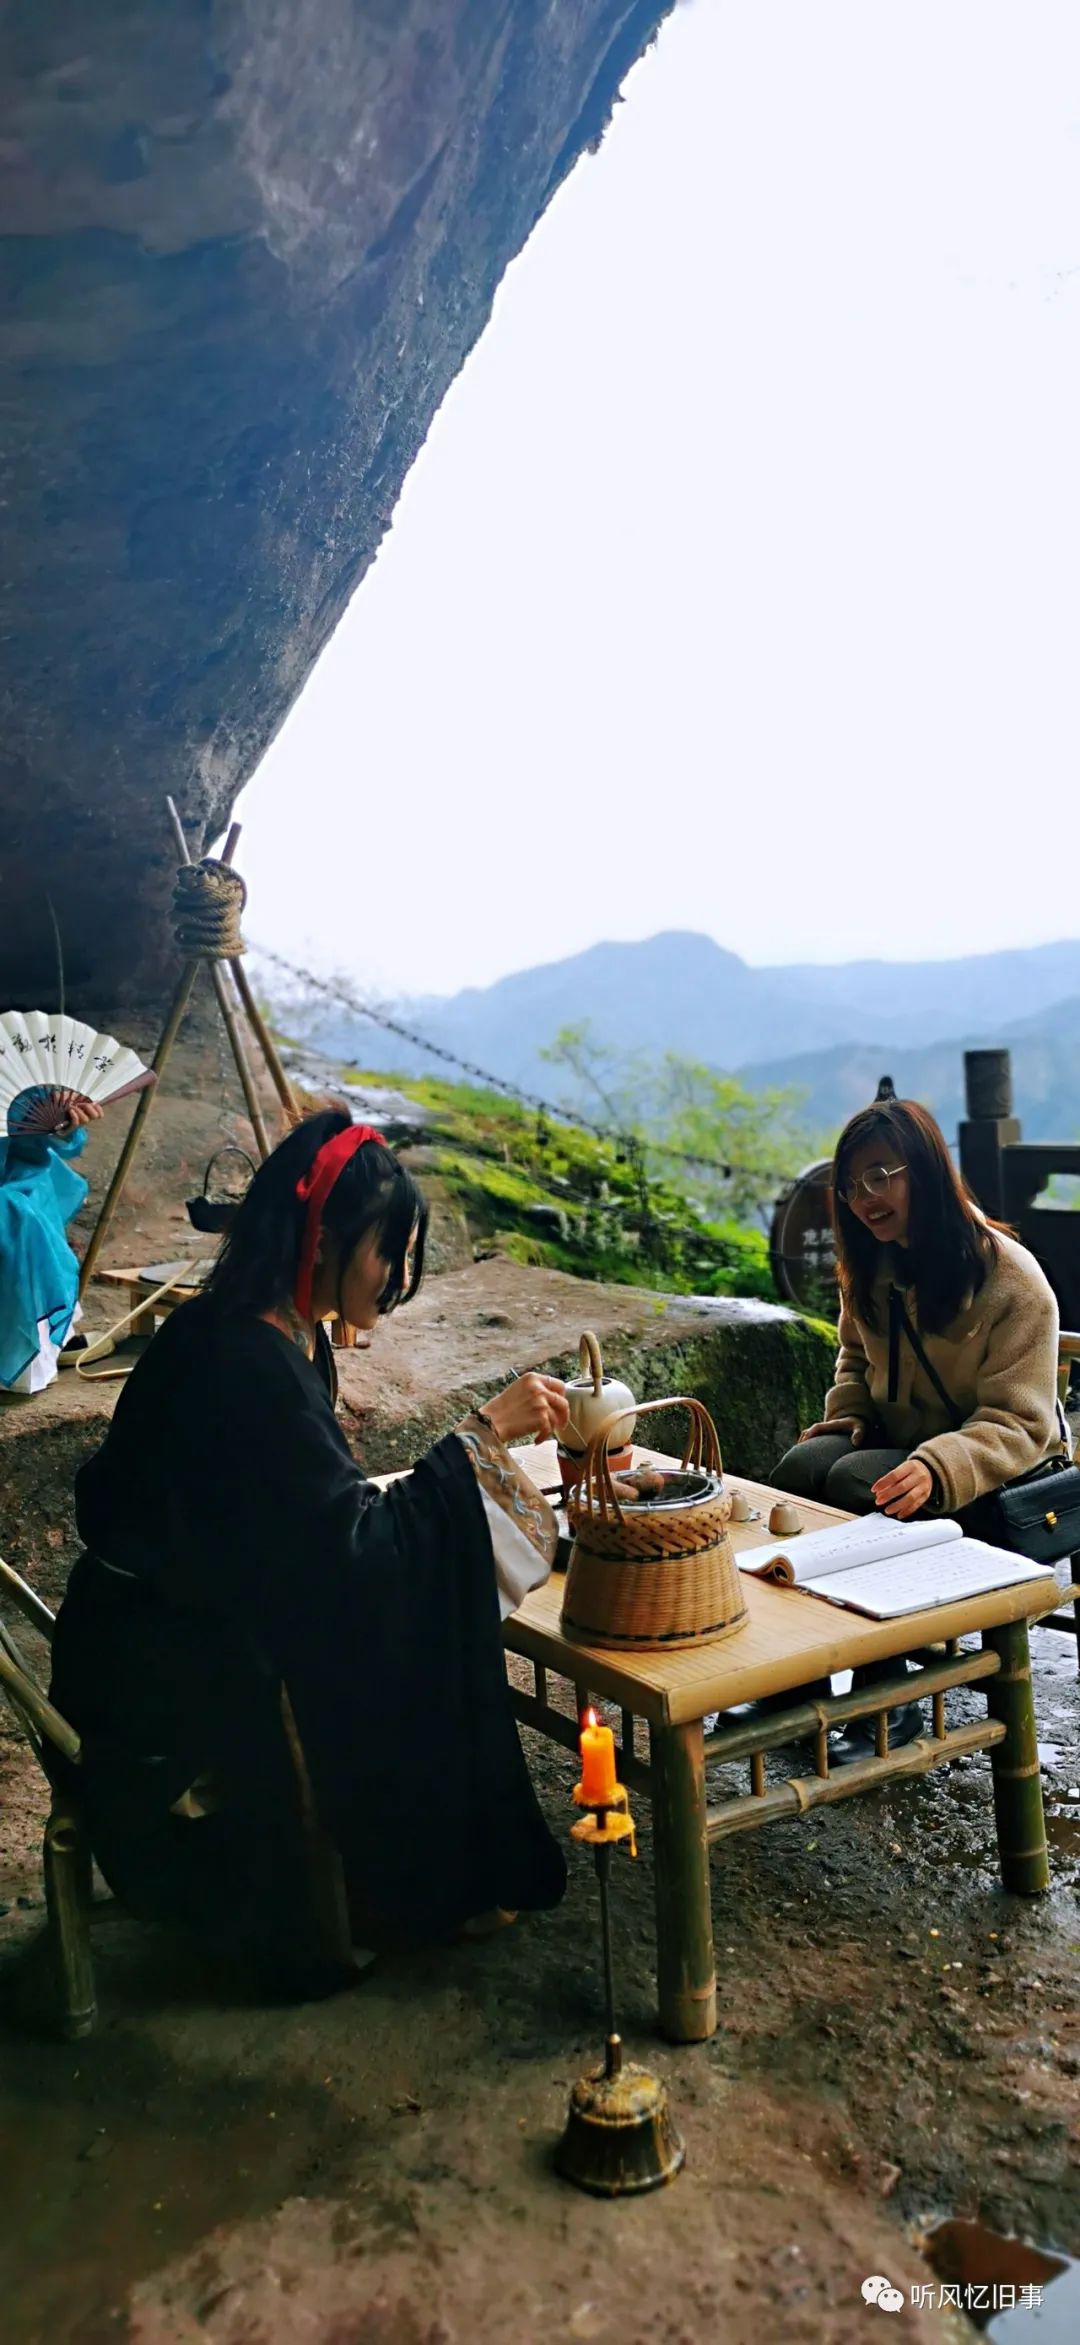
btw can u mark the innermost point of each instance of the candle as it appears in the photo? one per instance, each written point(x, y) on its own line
point(599, 1782)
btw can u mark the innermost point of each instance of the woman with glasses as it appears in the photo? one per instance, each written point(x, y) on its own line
point(914, 1251)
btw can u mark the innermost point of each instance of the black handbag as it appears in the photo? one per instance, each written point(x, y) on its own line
point(1037, 1514)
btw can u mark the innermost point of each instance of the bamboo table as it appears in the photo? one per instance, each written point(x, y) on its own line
point(789, 1639)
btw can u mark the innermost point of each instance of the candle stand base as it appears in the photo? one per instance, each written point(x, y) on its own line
point(620, 2135)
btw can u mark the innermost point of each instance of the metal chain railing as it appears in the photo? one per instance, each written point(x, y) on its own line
point(631, 1144)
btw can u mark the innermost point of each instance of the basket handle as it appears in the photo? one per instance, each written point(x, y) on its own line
point(701, 1448)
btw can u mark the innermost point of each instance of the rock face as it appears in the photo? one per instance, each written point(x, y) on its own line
point(761, 1371)
point(246, 246)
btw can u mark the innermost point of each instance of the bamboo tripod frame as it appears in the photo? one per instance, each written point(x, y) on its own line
point(228, 1008)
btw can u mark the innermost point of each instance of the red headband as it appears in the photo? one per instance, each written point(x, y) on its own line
point(314, 1190)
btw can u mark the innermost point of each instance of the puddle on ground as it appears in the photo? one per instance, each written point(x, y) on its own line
point(1063, 1834)
point(986, 2264)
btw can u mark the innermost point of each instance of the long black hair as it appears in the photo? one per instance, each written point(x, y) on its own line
point(373, 1196)
point(950, 1244)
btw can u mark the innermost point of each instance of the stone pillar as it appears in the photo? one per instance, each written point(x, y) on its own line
point(988, 1128)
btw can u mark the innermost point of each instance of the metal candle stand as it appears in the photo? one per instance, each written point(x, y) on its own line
point(620, 2136)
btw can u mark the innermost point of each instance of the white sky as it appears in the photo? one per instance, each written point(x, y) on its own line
point(738, 584)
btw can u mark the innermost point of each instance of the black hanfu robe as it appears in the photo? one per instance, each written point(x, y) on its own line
point(233, 1549)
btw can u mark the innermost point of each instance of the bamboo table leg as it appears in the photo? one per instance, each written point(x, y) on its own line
point(686, 1970)
point(67, 1860)
point(1018, 1803)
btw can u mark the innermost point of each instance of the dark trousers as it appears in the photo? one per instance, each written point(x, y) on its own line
point(832, 1469)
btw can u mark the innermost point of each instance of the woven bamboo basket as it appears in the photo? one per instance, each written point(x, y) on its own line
point(660, 1573)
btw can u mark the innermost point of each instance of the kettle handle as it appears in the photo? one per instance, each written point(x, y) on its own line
point(590, 1361)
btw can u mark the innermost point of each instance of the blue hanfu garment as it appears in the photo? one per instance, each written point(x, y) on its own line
point(39, 1274)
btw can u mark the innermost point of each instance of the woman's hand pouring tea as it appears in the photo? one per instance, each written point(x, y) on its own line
point(534, 1404)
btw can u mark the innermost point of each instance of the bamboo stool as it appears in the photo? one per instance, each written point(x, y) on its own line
point(66, 1851)
point(67, 1856)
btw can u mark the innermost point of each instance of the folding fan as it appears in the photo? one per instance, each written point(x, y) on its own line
point(49, 1063)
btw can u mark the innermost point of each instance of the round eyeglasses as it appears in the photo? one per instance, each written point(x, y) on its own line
point(874, 1183)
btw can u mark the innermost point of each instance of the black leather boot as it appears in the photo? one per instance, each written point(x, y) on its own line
point(857, 1741)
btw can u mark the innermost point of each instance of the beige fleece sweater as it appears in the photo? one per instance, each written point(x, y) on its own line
point(997, 1361)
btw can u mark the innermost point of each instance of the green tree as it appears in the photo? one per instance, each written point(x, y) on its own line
point(614, 1085)
point(710, 1117)
point(715, 1120)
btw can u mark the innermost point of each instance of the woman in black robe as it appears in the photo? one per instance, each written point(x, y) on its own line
point(245, 1586)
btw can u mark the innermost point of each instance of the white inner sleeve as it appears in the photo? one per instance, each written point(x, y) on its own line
point(518, 1567)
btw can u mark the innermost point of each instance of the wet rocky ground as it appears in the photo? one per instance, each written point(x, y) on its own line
point(898, 2041)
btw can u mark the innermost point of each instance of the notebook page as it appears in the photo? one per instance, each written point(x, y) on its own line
point(912, 1582)
point(844, 1546)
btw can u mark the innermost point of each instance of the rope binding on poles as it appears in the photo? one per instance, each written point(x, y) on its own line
point(207, 907)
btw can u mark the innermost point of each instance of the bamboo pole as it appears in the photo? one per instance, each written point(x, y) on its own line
point(808, 1718)
point(160, 1061)
point(1018, 1803)
point(22, 1717)
point(30, 1604)
point(221, 988)
point(685, 1963)
point(796, 1796)
point(48, 1721)
point(236, 1043)
point(266, 1042)
point(143, 1106)
point(69, 1921)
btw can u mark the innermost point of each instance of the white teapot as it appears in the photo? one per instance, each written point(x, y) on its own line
point(593, 1398)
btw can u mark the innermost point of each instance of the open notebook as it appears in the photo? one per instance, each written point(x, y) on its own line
point(884, 1568)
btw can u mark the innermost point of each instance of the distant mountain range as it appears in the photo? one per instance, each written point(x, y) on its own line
point(1045, 1054)
point(831, 1032)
